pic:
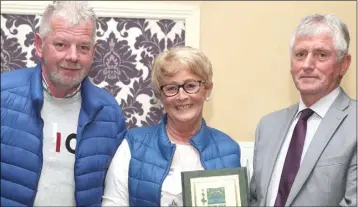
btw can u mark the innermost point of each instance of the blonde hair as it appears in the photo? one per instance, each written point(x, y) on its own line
point(168, 63)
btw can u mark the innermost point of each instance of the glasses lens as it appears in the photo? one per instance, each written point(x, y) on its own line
point(192, 86)
point(170, 90)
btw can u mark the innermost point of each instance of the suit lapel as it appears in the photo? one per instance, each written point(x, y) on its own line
point(324, 133)
point(275, 146)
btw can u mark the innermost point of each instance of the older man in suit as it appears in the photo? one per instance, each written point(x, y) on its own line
point(306, 154)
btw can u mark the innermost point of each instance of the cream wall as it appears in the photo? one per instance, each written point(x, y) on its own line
point(248, 45)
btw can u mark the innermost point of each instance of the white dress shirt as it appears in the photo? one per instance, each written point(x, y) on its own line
point(320, 109)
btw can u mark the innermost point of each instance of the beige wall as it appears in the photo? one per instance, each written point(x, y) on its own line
point(248, 44)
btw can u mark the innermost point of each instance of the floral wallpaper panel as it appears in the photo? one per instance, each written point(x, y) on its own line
point(122, 63)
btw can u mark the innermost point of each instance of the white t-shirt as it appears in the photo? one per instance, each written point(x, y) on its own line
point(56, 185)
point(186, 158)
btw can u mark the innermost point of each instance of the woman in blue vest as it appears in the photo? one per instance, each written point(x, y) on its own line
point(146, 169)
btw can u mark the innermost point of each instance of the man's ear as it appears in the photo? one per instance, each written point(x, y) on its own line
point(38, 45)
point(94, 50)
point(346, 62)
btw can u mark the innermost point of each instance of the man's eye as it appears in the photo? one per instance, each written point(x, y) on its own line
point(85, 48)
point(300, 54)
point(322, 55)
point(59, 44)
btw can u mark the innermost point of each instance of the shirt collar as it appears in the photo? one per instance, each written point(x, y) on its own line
point(47, 90)
point(321, 107)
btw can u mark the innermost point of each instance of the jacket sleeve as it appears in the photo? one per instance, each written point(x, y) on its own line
point(121, 125)
point(350, 197)
point(253, 184)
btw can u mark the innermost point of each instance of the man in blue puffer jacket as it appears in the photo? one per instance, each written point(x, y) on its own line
point(59, 132)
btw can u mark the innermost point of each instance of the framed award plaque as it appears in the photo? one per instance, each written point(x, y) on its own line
point(222, 187)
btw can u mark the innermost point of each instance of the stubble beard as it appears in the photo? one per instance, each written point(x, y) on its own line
point(59, 81)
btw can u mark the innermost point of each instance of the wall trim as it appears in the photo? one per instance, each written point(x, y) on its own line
point(126, 9)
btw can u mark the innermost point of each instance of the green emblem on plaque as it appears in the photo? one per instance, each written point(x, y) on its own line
point(216, 195)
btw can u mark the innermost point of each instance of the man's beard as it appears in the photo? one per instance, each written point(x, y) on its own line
point(57, 80)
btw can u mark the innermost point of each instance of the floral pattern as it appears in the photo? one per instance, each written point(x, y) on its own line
point(123, 59)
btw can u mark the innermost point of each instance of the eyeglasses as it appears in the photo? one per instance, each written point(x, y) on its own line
point(190, 87)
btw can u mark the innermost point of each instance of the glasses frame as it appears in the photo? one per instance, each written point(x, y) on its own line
point(182, 86)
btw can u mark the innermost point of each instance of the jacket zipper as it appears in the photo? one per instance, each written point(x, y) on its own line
point(78, 144)
point(201, 161)
point(165, 174)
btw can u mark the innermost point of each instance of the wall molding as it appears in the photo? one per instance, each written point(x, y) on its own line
point(126, 9)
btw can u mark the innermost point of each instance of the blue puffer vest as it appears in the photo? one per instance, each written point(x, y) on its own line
point(101, 129)
point(152, 154)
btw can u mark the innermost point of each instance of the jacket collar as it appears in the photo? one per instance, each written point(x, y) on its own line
point(200, 140)
point(91, 101)
point(91, 94)
point(37, 90)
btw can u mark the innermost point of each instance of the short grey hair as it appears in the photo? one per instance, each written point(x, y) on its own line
point(329, 24)
point(74, 12)
point(171, 61)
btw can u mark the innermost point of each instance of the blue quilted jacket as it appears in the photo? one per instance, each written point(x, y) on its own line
point(101, 129)
point(152, 154)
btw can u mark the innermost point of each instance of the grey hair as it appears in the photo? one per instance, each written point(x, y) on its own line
point(329, 24)
point(74, 12)
point(171, 61)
